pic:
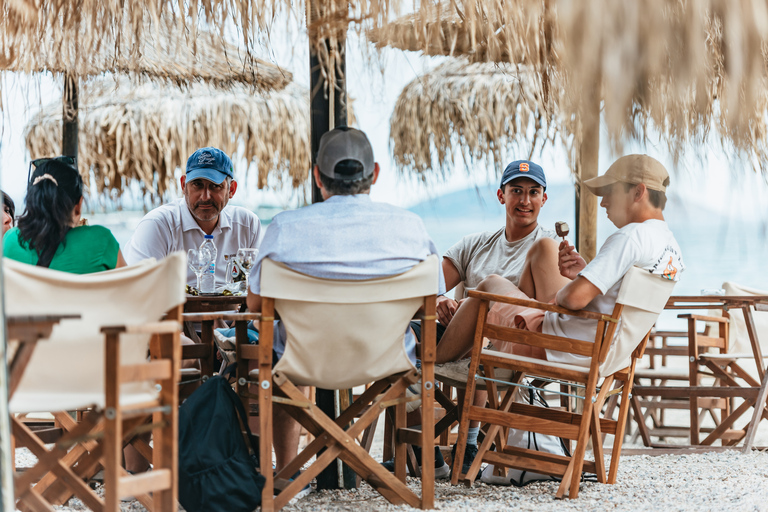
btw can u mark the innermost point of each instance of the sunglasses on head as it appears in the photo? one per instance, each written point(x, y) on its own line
point(68, 160)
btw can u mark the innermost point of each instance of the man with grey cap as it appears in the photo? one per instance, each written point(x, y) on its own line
point(208, 185)
point(347, 236)
point(633, 194)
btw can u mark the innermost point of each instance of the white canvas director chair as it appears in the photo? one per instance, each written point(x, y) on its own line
point(619, 341)
point(342, 334)
point(99, 362)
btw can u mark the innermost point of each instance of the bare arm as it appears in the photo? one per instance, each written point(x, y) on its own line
point(577, 294)
point(446, 307)
point(569, 261)
point(120, 260)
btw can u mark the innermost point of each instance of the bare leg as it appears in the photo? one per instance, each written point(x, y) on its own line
point(287, 432)
point(541, 279)
point(458, 337)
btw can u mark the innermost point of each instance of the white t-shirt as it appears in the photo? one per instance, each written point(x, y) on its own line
point(479, 255)
point(649, 245)
point(171, 227)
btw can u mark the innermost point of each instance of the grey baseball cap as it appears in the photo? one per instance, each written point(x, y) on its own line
point(345, 143)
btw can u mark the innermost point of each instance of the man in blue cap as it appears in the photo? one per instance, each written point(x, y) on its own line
point(208, 185)
point(522, 193)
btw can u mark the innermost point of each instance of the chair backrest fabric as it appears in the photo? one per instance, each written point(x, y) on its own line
point(739, 338)
point(644, 296)
point(342, 333)
point(66, 371)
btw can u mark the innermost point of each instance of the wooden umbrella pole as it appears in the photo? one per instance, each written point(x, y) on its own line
point(328, 109)
point(589, 149)
point(7, 460)
point(69, 119)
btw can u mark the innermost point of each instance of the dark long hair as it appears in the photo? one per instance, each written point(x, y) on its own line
point(49, 206)
point(8, 203)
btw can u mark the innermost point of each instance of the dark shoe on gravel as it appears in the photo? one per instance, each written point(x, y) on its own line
point(442, 470)
point(469, 457)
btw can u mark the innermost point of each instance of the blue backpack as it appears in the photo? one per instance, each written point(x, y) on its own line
point(216, 471)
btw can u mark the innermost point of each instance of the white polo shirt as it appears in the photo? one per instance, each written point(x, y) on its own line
point(171, 227)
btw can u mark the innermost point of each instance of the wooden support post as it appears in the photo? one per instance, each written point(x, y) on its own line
point(589, 150)
point(328, 109)
point(69, 119)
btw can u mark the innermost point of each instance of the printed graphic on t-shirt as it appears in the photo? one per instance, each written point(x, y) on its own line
point(669, 265)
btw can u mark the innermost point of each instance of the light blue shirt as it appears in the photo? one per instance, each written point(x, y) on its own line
point(346, 237)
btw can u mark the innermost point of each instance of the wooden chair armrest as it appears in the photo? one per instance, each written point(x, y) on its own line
point(164, 327)
point(540, 305)
point(228, 316)
point(704, 318)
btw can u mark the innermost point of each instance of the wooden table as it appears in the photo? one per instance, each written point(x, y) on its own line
point(208, 303)
point(746, 303)
point(215, 307)
point(206, 320)
point(27, 330)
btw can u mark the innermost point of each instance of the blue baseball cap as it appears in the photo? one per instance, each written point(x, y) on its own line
point(210, 164)
point(523, 169)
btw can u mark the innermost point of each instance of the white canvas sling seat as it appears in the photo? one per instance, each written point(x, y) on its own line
point(619, 341)
point(69, 371)
point(341, 334)
point(739, 336)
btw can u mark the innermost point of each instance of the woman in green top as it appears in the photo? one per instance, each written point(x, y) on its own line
point(48, 233)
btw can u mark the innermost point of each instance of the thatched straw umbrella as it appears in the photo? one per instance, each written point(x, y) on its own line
point(160, 55)
point(686, 70)
point(144, 134)
point(475, 110)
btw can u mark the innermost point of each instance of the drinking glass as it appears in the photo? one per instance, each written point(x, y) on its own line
point(246, 257)
point(198, 261)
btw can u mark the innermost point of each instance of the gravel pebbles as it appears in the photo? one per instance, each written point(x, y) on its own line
point(709, 481)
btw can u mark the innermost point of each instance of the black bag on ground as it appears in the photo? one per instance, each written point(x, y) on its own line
point(216, 471)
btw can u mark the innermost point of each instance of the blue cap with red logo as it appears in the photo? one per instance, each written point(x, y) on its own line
point(523, 169)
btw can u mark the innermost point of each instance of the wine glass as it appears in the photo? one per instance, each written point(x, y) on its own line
point(246, 257)
point(198, 261)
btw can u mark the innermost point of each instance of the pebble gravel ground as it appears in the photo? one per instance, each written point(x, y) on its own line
point(712, 481)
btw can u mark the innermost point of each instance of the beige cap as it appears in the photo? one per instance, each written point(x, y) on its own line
point(634, 169)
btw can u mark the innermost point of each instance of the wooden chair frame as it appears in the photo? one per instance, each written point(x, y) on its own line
point(98, 440)
point(339, 438)
point(730, 382)
point(504, 413)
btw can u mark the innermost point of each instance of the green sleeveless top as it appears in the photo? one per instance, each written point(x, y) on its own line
point(85, 249)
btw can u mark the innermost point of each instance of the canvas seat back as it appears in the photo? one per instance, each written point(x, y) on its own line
point(738, 336)
point(643, 296)
point(341, 334)
point(66, 371)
